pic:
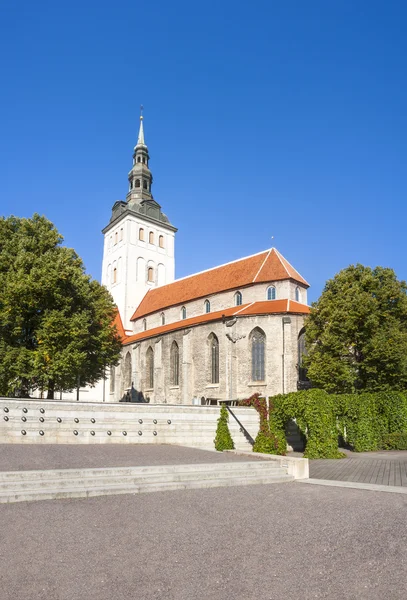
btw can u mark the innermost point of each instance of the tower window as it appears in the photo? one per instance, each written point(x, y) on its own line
point(238, 299)
point(271, 293)
point(145, 184)
point(150, 274)
point(144, 160)
point(138, 159)
point(137, 183)
point(131, 184)
point(297, 294)
point(141, 234)
point(151, 237)
point(161, 241)
point(183, 313)
point(207, 306)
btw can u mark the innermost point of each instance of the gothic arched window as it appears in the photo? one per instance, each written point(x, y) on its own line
point(137, 183)
point(207, 306)
point(141, 234)
point(174, 359)
point(238, 299)
point(183, 313)
point(258, 350)
point(271, 293)
point(127, 371)
point(150, 274)
point(112, 379)
point(144, 324)
point(297, 294)
point(302, 351)
point(213, 358)
point(162, 319)
point(150, 367)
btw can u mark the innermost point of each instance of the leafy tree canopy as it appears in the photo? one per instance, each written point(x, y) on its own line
point(55, 321)
point(356, 334)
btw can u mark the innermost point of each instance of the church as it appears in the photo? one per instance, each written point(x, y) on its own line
point(221, 334)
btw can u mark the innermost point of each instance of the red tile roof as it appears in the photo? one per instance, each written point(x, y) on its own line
point(268, 307)
point(264, 267)
point(118, 323)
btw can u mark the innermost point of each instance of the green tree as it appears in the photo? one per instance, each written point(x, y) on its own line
point(55, 321)
point(356, 333)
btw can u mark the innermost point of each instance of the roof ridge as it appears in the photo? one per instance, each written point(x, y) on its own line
point(262, 265)
point(231, 262)
point(280, 256)
point(290, 265)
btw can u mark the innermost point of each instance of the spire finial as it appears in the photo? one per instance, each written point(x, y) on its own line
point(141, 130)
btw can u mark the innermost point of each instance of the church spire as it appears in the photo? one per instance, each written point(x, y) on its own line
point(140, 177)
point(140, 139)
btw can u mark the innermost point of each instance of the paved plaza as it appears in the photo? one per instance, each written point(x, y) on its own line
point(256, 542)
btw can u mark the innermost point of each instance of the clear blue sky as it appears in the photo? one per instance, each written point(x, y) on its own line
point(267, 118)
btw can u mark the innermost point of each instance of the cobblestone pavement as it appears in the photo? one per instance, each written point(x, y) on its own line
point(24, 457)
point(380, 468)
point(265, 542)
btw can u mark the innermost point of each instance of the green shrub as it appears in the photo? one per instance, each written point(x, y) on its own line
point(223, 439)
point(267, 441)
point(395, 441)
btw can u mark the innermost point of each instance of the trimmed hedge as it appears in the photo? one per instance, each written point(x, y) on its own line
point(223, 440)
point(366, 421)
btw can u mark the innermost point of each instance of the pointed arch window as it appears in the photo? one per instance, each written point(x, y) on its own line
point(214, 358)
point(297, 294)
point(127, 371)
point(258, 350)
point(137, 183)
point(183, 313)
point(238, 299)
point(150, 367)
point(207, 306)
point(112, 379)
point(162, 318)
point(271, 293)
point(144, 324)
point(174, 359)
point(150, 274)
point(141, 234)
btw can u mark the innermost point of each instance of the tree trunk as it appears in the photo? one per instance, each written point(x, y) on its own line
point(51, 389)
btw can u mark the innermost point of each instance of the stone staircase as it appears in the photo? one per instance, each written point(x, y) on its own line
point(21, 486)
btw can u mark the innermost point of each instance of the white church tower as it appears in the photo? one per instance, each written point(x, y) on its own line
point(139, 240)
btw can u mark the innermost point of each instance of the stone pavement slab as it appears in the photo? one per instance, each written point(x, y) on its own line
point(379, 468)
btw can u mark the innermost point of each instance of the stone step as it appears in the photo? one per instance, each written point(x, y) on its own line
point(88, 482)
point(139, 488)
point(255, 465)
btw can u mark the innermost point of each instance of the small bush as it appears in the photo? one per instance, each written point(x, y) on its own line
point(223, 439)
point(395, 441)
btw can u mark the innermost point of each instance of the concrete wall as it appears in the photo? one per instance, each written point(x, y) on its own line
point(193, 426)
